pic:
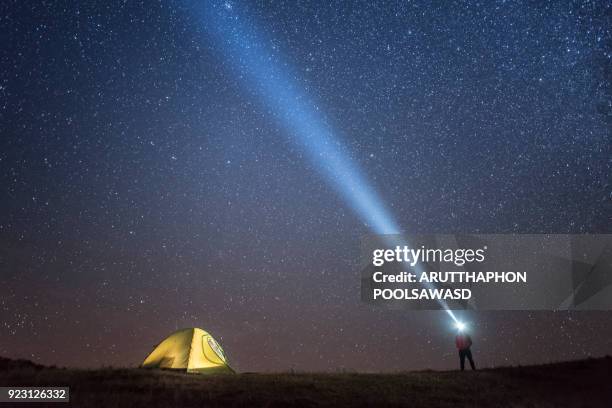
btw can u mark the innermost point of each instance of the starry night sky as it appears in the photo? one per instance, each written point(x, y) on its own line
point(146, 186)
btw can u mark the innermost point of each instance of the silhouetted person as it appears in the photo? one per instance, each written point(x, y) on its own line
point(464, 342)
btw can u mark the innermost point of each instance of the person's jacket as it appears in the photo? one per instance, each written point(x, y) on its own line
point(463, 341)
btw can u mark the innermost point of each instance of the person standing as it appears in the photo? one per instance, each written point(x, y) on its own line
point(463, 341)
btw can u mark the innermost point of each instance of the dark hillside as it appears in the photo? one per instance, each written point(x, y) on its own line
point(585, 383)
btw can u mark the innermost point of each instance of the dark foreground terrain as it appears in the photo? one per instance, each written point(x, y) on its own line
point(573, 384)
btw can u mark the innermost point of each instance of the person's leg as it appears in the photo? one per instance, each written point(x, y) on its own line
point(462, 359)
point(468, 353)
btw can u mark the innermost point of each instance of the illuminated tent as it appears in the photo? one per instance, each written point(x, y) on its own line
point(192, 350)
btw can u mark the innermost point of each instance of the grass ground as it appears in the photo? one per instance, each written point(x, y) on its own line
point(585, 383)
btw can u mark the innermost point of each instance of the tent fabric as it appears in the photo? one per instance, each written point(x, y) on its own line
point(192, 350)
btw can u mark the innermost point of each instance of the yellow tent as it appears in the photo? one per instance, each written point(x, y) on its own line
point(192, 350)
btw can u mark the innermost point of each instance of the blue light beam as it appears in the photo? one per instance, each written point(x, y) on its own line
point(253, 58)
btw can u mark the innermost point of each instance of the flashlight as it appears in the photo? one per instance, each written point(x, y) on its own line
point(460, 326)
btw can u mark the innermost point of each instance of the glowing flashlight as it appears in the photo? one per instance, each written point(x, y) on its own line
point(460, 326)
